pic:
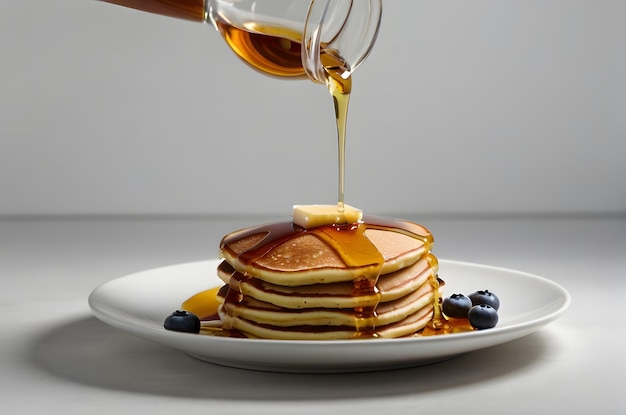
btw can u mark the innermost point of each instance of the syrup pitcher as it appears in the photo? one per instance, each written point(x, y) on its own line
point(285, 38)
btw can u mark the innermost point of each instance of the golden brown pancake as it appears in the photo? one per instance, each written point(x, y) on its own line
point(372, 278)
point(286, 254)
point(333, 295)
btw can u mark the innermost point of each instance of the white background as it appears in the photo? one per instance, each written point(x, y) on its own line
point(463, 106)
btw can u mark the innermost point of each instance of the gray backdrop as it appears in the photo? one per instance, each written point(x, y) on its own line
point(463, 107)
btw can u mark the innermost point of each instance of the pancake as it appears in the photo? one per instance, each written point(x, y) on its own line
point(403, 328)
point(333, 295)
point(387, 313)
point(286, 254)
point(374, 278)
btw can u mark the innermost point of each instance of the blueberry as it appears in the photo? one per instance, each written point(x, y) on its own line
point(182, 321)
point(483, 316)
point(456, 306)
point(485, 297)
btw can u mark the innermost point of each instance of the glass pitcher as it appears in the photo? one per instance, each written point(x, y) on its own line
point(284, 38)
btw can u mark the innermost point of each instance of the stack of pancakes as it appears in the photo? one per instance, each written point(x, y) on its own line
point(375, 278)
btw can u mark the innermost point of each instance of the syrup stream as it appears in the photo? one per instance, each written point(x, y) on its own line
point(339, 82)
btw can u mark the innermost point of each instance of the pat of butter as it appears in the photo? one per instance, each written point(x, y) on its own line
point(311, 216)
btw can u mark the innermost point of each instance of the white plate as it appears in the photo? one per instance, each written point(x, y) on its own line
point(139, 303)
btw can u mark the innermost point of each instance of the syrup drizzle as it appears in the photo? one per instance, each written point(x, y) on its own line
point(339, 82)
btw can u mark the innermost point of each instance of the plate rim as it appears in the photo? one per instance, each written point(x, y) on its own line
point(158, 334)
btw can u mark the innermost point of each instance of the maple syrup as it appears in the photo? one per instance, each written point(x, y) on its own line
point(273, 51)
point(339, 82)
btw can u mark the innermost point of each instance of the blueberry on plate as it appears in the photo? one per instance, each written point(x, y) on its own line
point(456, 306)
point(482, 316)
point(182, 321)
point(485, 297)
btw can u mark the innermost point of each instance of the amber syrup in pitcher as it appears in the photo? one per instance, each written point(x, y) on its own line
point(272, 51)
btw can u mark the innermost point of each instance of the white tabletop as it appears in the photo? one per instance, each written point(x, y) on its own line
point(56, 357)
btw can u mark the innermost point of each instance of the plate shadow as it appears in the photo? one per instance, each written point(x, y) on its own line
point(90, 352)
